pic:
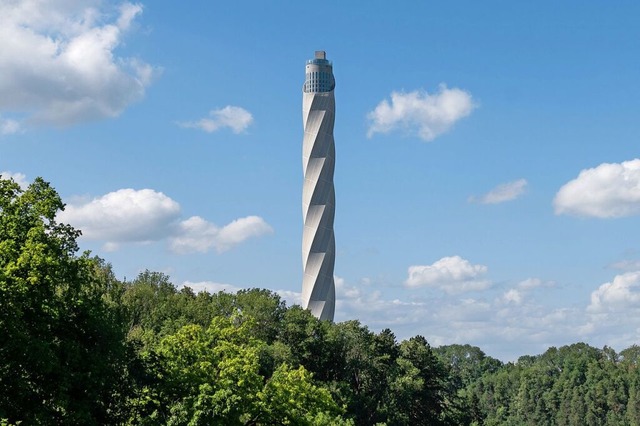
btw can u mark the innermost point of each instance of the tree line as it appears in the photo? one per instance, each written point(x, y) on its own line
point(80, 346)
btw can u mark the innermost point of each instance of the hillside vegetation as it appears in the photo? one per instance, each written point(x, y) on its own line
point(79, 346)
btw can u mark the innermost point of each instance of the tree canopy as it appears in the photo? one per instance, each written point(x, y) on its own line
point(79, 346)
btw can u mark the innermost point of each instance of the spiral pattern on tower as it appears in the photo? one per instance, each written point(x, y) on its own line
point(318, 196)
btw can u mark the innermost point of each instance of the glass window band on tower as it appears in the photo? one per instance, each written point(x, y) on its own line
point(319, 75)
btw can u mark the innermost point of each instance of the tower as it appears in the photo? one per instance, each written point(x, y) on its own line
point(318, 197)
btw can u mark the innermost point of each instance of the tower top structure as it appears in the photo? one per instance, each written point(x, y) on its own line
point(319, 74)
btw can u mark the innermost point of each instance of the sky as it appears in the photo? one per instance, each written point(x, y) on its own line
point(488, 159)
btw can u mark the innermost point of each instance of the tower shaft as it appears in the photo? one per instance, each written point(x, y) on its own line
point(318, 196)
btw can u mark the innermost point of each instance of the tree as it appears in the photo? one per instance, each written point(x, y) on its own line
point(62, 351)
point(468, 363)
point(422, 394)
point(266, 309)
point(211, 376)
point(290, 397)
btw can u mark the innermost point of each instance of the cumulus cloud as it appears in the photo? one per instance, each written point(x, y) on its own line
point(418, 112)
point(59, 61)
point(501, 193)
point(450, 274)
point(513, 295)
point(126, 215)
point(617, 295)
point(197, 235)
point(236, 118)
point(19, 178)
point(145, 215)
point(609, 190)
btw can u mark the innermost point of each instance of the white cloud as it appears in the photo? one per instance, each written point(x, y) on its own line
point(9, 126)
point(59, 63)
point(501, 193)
point(531, 283)
point(626, 265)
point(372, 308)
point(504, 323)
point(236, 118)
point(513, 295)
point(613, 316)
point(448, 318)
point(241, 229)
point(606, 191)
point(465, 311)
point(450, 274)
point(517, 295)
point(618, 295)
point(197, 235)
point(130, 215)
point(19, 178)
point(290, 297)
point(421, 113)
point(126, 215)
point(505, 327)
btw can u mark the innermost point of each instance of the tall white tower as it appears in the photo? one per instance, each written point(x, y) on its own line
point(318, 197)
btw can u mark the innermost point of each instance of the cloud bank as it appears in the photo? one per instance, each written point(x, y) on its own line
point(235, 118)
point(143, 216)
point(505, 321)
point(420, 113)
point(609, 190)
point(59, 61)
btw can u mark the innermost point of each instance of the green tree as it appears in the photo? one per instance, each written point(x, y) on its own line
point(468, 363)
point(290, 397)
point(420, 390)
point(305, 336)
point(265, 308)
point(211, 376)
point(62, 351)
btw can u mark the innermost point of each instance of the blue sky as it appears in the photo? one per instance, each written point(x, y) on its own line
point(487, 176)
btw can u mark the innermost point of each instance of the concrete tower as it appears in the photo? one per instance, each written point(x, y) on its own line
point(318, 197)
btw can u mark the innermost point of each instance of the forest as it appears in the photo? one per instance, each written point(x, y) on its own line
point(78, 346)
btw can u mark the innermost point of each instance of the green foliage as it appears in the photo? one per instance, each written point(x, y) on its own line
point(80, 347)
point(211, 376)
point(290, 397)
point(573, 385)
point(62, 352)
